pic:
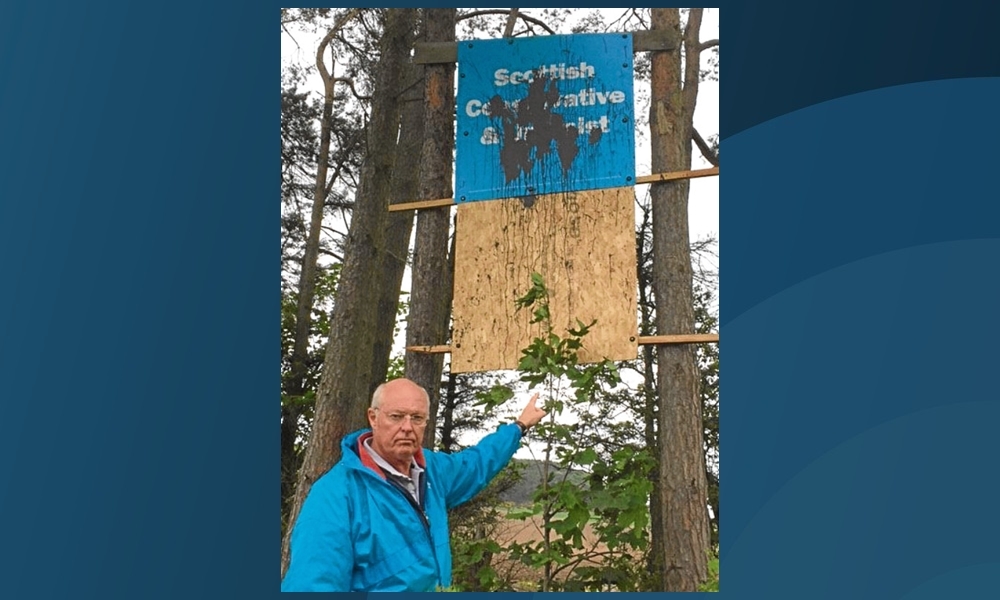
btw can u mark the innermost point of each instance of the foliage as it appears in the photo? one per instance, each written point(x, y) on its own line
point(298, 398)
point(707, 321)
point(711, 61)
point(319, 330)
point(299, 146)
point(469, 401)
point(712, 584)
point(592, 527)
point(475, 528)
point(397, 362)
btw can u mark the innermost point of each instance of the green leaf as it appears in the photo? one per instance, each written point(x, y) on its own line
point(495, 396)
point(586, 457)
point(522, 513)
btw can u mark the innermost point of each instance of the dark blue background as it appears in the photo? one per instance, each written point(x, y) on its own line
point(138, 327)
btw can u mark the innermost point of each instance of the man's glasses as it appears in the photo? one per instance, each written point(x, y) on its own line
point(396, 418)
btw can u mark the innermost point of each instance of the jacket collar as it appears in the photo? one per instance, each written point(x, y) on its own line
point(367, 460)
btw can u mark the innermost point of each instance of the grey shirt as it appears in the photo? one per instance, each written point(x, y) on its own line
point(411, 481)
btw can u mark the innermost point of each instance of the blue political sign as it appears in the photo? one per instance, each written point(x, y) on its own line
point(543, 115)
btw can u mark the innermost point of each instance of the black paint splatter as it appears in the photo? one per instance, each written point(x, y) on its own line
point(541, 129)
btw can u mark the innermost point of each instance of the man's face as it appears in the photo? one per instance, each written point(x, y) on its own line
point(395, 435)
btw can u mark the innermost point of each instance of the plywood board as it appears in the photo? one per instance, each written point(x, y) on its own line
point(583, 245)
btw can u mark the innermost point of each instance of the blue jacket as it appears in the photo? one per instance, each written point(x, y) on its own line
point(358, 532)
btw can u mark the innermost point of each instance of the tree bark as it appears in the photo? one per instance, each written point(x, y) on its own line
point(644, 275)
point(684, 540)
point(400, 226)
point(347, 380)
point(448, 402)
point(294, 384)
point(430, 290)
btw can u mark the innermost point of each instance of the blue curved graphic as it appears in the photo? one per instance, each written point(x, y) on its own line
point(855, 177)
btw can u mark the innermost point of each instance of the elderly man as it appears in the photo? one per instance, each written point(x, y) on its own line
point(378, 520)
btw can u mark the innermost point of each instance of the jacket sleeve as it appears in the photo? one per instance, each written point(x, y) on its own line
point(469, 471)
point(322, 555)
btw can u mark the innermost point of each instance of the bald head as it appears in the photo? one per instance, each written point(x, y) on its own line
point(396, 388)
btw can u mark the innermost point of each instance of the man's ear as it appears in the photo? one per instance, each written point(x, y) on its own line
point(371, 417)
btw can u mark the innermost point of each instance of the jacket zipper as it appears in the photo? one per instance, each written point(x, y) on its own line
point(423, 516)
point(413, 503)
point(420, 511)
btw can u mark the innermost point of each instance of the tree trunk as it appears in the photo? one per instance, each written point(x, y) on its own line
point(683, 489)
point(654, 562)
point(713, 501)
point(430, 290)
point(644, 275)
point(400, 227)
point(347, 380)
point(289, 459)
point(294, 382)
point(448, 402)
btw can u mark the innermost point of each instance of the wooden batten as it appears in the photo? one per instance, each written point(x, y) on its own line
point(691, 338)
point(675, 175)
point(428, 53)
point(654, 178)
